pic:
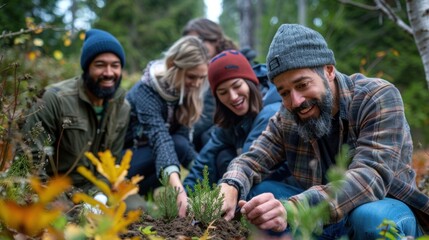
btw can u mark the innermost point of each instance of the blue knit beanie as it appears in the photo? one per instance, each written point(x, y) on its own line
point(96, 42)
point(295, 46)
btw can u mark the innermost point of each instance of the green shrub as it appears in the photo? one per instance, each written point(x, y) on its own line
point(166, 199)
point(205, 202)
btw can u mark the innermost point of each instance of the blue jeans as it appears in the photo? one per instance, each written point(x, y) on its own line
point(142, 162)
point(361, 223)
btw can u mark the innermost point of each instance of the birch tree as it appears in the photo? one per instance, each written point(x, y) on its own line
point(418, 27)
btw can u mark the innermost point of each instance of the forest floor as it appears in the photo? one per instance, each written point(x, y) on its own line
point(186, 229)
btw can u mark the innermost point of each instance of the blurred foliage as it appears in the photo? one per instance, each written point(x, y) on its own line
point(415, 98)
point(146, 27)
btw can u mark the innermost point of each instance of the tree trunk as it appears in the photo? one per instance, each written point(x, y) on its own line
point(418, 14)
point(302, 12)
point(247, 21)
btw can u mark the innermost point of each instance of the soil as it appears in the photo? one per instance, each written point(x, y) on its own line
point(185, 228)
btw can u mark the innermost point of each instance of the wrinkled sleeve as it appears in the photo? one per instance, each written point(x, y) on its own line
point(149, 115)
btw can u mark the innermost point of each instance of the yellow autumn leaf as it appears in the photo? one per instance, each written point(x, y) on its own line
point(82, 36)
point(90, 176)
point(136, 178)
point(20, 39)
point(31, 55)
point(22, 218)
point(58, 55)
point(125, 163)
point(38, 42)
point(53, 188)
point(122, 191)
point(29, 20)
point(103, 167)
point(395, 52)
point(72, 231)
point(120, 222)
point(113, 222)
point(380, 54)
point(82, 197)
point(67, 42)
point(38, 30)
point(206, 234)
point(107, 167)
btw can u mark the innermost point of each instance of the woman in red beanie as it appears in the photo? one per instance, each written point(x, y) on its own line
point(244, 105)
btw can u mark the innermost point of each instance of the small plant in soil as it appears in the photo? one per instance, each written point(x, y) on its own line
point(205, 202)
point(167, 199)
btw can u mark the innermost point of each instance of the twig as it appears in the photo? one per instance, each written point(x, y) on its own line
point(385, 8)
point(29, 30)
point(360, 5)
point(12, 34)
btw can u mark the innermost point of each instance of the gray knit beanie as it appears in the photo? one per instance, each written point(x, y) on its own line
point(295, 46)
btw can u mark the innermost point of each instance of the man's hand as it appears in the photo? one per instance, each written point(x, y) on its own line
point(265, 212)
point(230, 200)
point(182, 198)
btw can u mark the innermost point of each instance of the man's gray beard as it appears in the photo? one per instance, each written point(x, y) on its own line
point(315, 128)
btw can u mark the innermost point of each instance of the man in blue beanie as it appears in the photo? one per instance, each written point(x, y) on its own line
point(322, 110)
point(85, 113)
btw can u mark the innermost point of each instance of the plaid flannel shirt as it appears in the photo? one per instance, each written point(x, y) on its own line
point(380, 151)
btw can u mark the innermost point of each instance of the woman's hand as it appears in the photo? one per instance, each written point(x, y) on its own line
point(182, 198)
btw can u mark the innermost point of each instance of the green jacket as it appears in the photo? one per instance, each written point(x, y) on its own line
point(71, 128)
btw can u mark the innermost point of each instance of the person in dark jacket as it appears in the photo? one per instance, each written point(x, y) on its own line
point(323, 109)
point(165, 103)
point(215, 41)
point(85, 113)
point(244, 104)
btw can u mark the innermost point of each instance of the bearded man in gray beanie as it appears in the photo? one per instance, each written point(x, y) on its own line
point(85, 113)
point(323, 110)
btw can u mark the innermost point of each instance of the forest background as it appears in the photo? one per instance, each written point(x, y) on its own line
point(45, 39)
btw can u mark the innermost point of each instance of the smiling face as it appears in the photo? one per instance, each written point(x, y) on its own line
point(234, 94)
point(309, 97)
point(103, 77)
point(194, 77)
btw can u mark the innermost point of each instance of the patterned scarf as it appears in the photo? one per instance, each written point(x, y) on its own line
point(171, 96)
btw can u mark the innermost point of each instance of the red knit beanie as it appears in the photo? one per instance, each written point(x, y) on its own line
point(227, 65)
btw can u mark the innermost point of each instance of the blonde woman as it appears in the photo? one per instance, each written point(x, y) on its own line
point(215, 41)
point(164, 106)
